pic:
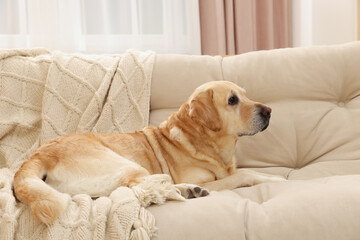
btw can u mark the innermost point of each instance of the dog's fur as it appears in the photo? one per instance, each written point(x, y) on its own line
point(195, 146)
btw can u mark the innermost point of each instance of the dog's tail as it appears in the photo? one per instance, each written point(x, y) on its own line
point(45, 202)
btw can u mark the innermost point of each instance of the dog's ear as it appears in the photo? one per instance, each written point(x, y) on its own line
point(202, 109)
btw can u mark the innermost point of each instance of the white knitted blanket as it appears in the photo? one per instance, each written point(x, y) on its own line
point(47, 94)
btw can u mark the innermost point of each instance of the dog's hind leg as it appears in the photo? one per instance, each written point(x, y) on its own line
point(45, 202)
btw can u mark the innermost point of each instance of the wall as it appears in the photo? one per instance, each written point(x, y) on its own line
point(319, 22)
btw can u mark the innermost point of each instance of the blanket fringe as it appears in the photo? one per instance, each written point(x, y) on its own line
point(156, 189)
point(144, 227)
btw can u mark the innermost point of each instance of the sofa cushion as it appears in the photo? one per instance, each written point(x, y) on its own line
point(326, 208)
point(175, 77)
point(314, 93)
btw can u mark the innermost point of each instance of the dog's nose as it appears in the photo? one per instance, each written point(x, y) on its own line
point(265, 111)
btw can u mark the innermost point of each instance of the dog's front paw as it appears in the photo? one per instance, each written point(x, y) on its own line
point(189, 191)
point(195, 192)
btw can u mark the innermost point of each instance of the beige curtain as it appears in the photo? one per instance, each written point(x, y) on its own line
point(237, 26)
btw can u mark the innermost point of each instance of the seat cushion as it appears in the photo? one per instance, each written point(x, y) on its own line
point(326, 208)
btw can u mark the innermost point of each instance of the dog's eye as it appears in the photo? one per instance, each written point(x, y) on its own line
point(233, 100)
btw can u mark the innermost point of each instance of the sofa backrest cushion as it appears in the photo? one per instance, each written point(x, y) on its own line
point(314, 93)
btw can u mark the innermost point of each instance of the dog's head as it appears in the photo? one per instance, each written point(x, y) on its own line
point(223, 106)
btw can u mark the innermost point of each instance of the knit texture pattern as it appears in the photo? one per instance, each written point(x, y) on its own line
point(44, 95)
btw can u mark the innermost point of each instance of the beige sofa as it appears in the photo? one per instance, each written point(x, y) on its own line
point(313, 140)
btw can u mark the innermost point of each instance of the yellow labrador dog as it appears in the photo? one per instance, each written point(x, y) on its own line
point(195, 146)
